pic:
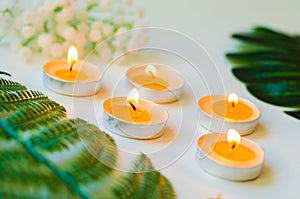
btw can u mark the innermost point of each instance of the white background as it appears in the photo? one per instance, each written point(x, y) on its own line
point(210, 23)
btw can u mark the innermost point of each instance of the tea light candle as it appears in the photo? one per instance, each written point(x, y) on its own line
point(229, 156)
point(72, 77)
point(156, 83)
point(219, 113)
point(133, 117)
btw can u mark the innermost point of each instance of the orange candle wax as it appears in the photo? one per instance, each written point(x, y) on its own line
point(126, 113)
point(73, 75)
point(147, 81)
point(241, 153)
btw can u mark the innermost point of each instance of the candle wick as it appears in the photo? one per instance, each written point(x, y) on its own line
point(233, 145)
point(132, 105)
point(232, 107)
point(71, 67)
point(151, 74)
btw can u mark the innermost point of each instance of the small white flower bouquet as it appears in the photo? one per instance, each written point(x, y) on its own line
point(51, 27)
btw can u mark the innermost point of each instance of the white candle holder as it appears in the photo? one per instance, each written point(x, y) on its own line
point(219, 166)
point(77, 87)
point(212, 108)
point(116, 119)
point(138, 77)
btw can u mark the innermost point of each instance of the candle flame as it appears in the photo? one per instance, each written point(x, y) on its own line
point(72, 55)
point(151, 70)
point(233, 138)
point(133, 98)
point(233, 99)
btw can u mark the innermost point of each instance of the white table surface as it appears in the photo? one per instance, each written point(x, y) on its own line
point(210, 23)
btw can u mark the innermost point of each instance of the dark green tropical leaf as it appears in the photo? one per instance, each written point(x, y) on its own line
point(268, 62)
point(295, 114)
point(45, 155)
point(264, 37)
point(279, 93)
point(267, 73)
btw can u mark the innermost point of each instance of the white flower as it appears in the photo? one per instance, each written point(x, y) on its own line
point(27, 32)
point(83, 27)
point(49, 6)
point(64, 3)
point(35, 47)
point(95, 35)
point(97, 25)
point(106, 5)
point(68, 4)
point(120, 38)
point(43, 13)
point(128, 2)
point(80, 39)
point(119, 20)
point(138, 40)
point(56, 50)
point(46, 51)
point(69, 33)
point(118, 44)
point(45, 40)
point(60, 28)
point(107, 30)
point(106, 53)
point(66, 45)
point(64, 15)
point(52, 33)
point(82, 15)
point(26, 53)
point(28, 18)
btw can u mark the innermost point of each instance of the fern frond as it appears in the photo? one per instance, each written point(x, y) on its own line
point(84, 166)
point(13, 100)
point(8, 85)
point(5, 73)
point(56, 136)
point(87, 169)
point(98, 157)
point(20, 95)
point(39, 131)
point(35, 114)
point(39, 157)
point(20, 169)
point(18, 190)
point(144, 182)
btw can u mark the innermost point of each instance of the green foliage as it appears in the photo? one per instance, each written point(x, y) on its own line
point(268, 62)
point(43, 154)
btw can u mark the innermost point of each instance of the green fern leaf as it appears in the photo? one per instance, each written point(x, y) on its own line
point(5, 73)
point(143, 182)
point(22, 171)
point(13, 100)
point(34, 132)
point(36, 114)
point(8, 85)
